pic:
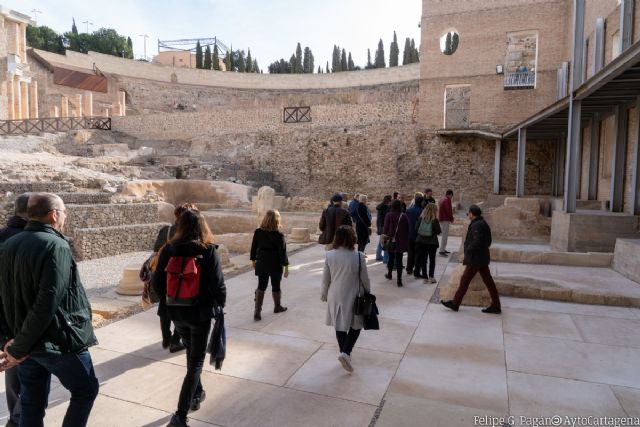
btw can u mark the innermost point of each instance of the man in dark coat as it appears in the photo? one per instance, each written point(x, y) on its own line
point(332, 218)
point(45, 316)
point(413, 213)
point(476, 260)
point(382, 210)
point(353, 208)
point(15, 225)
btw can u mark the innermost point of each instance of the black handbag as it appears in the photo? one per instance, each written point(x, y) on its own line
point(363, 305)
point(389, 245)
point(371, 322)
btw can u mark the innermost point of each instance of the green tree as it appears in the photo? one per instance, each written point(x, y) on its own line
point(229, 60)
point(319, 69)
point(297, 64)
point(307, 61)
point(249, 62)
point(394, 52)
point(216, 58)
point(343, 61)
point(198, 55)
point(415, 55)
point(255, 67)
point(327, 69)
point(350, 65)
point(369, 64)
point(44, 38)
point(74, 29)
point(406, 57)
point(241, 64)
point(207, 58)
point(379, 60)
point(335, 63)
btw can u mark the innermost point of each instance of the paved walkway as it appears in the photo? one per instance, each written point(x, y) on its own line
point(427, 366)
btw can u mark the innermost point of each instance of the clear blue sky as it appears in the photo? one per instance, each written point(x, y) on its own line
point(271, 28)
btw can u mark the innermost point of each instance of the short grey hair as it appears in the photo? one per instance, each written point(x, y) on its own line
point(21, 202)
point(363, 198)
point(40, 204)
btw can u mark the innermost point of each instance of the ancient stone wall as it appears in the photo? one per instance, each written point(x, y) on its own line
point(90, 243)
point(91, 216)
point(44, 186)
point(538, 173)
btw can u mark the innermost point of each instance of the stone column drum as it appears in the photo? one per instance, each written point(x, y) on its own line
point(130, 284)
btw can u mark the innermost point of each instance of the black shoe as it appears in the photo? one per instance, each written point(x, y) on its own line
point(417, 276)
point(492, 310)
point(388, 276)
point(446, 252)
point(450, 304)
point(442, 253)
point(177, 422)
point(195, 402)
point(176, 347)
point(409, 271)
point(166, 343)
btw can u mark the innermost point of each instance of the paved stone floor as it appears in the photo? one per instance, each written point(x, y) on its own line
point(427, 366)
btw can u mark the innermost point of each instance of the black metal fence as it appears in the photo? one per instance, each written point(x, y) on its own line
point(53, 124)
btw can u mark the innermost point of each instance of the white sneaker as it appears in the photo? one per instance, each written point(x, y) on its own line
point(345, 361)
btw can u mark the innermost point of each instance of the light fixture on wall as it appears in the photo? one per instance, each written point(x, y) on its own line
point(499, 69)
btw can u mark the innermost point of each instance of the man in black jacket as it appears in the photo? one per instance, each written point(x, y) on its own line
point(45, 316)
point(382, 211)
point(332, 218)
point(476, 260)
point(15, 225)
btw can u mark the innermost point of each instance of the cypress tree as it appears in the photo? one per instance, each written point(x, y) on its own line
point(216, 58)
point(255, 67)
point(74, 29)
point(379, 61)
point(207, 58)
point(394, 52)
point(447, 45)
point(415, 56)
point(335, 63)
point(350, 65)
point(343, 61)
point(306, 61)
point(60, 46)
point(312, 61)
point(241, 63)
point(406, 57)
point(293, 64)
point(369, 64)
point(454, 42)
point(327, 69)
point(229, 60)
point(249, 62)
point(319, 69)
point(198, 55)
point(298, 63)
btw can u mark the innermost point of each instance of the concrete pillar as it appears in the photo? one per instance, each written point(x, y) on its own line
point(17, 99)
point(626, 24)
point(87, 99)
point(24, 94)
point(496, 167)
point(11, 115)
point(598, 46)
point(634, 200)
point(106, 112)
point(618, 159)
point(117, 109)
point(122, 101)
point(55, 111)
point(33, 100)
point(78, 106)
point(64, 106)
point(522, 148)
point(594, 158)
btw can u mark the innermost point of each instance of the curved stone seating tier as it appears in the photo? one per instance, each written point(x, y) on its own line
point(37, 186)
point(299, 235)
point(100, 215)
point(130, 284)
point(85, 198)
point(91, 243)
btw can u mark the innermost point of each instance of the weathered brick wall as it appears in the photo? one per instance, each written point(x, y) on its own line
point(91, 243)
point(91, 216)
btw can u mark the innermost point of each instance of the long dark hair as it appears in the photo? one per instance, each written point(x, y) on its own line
point(345, 237)
point(192, 227)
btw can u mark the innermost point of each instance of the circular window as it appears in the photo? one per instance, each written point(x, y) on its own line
point(449, 42)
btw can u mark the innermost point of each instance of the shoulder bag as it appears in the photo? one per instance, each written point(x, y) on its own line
point(390, 244)
point(363, 305)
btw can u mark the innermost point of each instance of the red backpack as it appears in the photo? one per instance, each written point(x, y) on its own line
point(183, 281)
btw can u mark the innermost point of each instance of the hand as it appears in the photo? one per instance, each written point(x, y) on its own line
point(253, 263)
point(286, 274)
point(7, 360)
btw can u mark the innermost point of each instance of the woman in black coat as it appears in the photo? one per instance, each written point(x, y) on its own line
point(363, 223)
point(269, 256)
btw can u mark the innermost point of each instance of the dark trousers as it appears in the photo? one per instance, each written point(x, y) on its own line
point(467, 276)
point(263, 281)
point(395, 260)
point(165, 327)
point(12, 389)
point(362, 246)
point(411, 256)
point(76, 374)
point(194, 337)
point(425, 254)
point(346, 340)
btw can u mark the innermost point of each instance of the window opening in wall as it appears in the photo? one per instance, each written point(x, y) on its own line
point(521, 60)
point(615, 45)
point(449, 42)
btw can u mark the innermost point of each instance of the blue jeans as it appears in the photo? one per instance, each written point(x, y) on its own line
point(76, 374)
point(194, 337)
point(379, 253)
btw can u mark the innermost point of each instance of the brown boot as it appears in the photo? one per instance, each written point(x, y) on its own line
point(276, 302)
point(259, 298)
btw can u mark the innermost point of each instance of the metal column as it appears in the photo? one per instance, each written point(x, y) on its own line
point(626, 24)
point(522, 148)
point(634, 199)
point(496, 167)
point(619, 159)
point(594, 157)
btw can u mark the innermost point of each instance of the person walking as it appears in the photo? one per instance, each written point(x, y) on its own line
point(363, 223)
point(166, 233)
point(332, 217)
point(269, 258)
point(413, 212)
point(192, 245)
point(476, 260)
point(344, 278)
point(445, 216)
point(428, 196)
point(45, 315)
point(381, 211)
point(15, 225)
point(427, 231)
point(396, 230)
point(353, 207)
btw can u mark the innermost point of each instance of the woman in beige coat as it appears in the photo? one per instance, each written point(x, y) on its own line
point(344, 270)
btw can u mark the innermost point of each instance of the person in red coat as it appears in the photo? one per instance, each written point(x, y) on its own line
point(396, 230)
point(445, 217)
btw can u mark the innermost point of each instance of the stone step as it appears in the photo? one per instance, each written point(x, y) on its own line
point(99, 242)
point(85, 198)
point(100, 215)
point(37, 186)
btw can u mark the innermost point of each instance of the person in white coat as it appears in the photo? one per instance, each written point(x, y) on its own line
point(345, 277)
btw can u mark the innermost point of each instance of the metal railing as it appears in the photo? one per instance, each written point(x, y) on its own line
point(520, 80)
point(53, 124)
point(296, 115)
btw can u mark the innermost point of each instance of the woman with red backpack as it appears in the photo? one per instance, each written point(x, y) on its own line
point(189, 283)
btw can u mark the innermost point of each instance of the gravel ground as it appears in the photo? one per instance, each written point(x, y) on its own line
point(103, 274)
